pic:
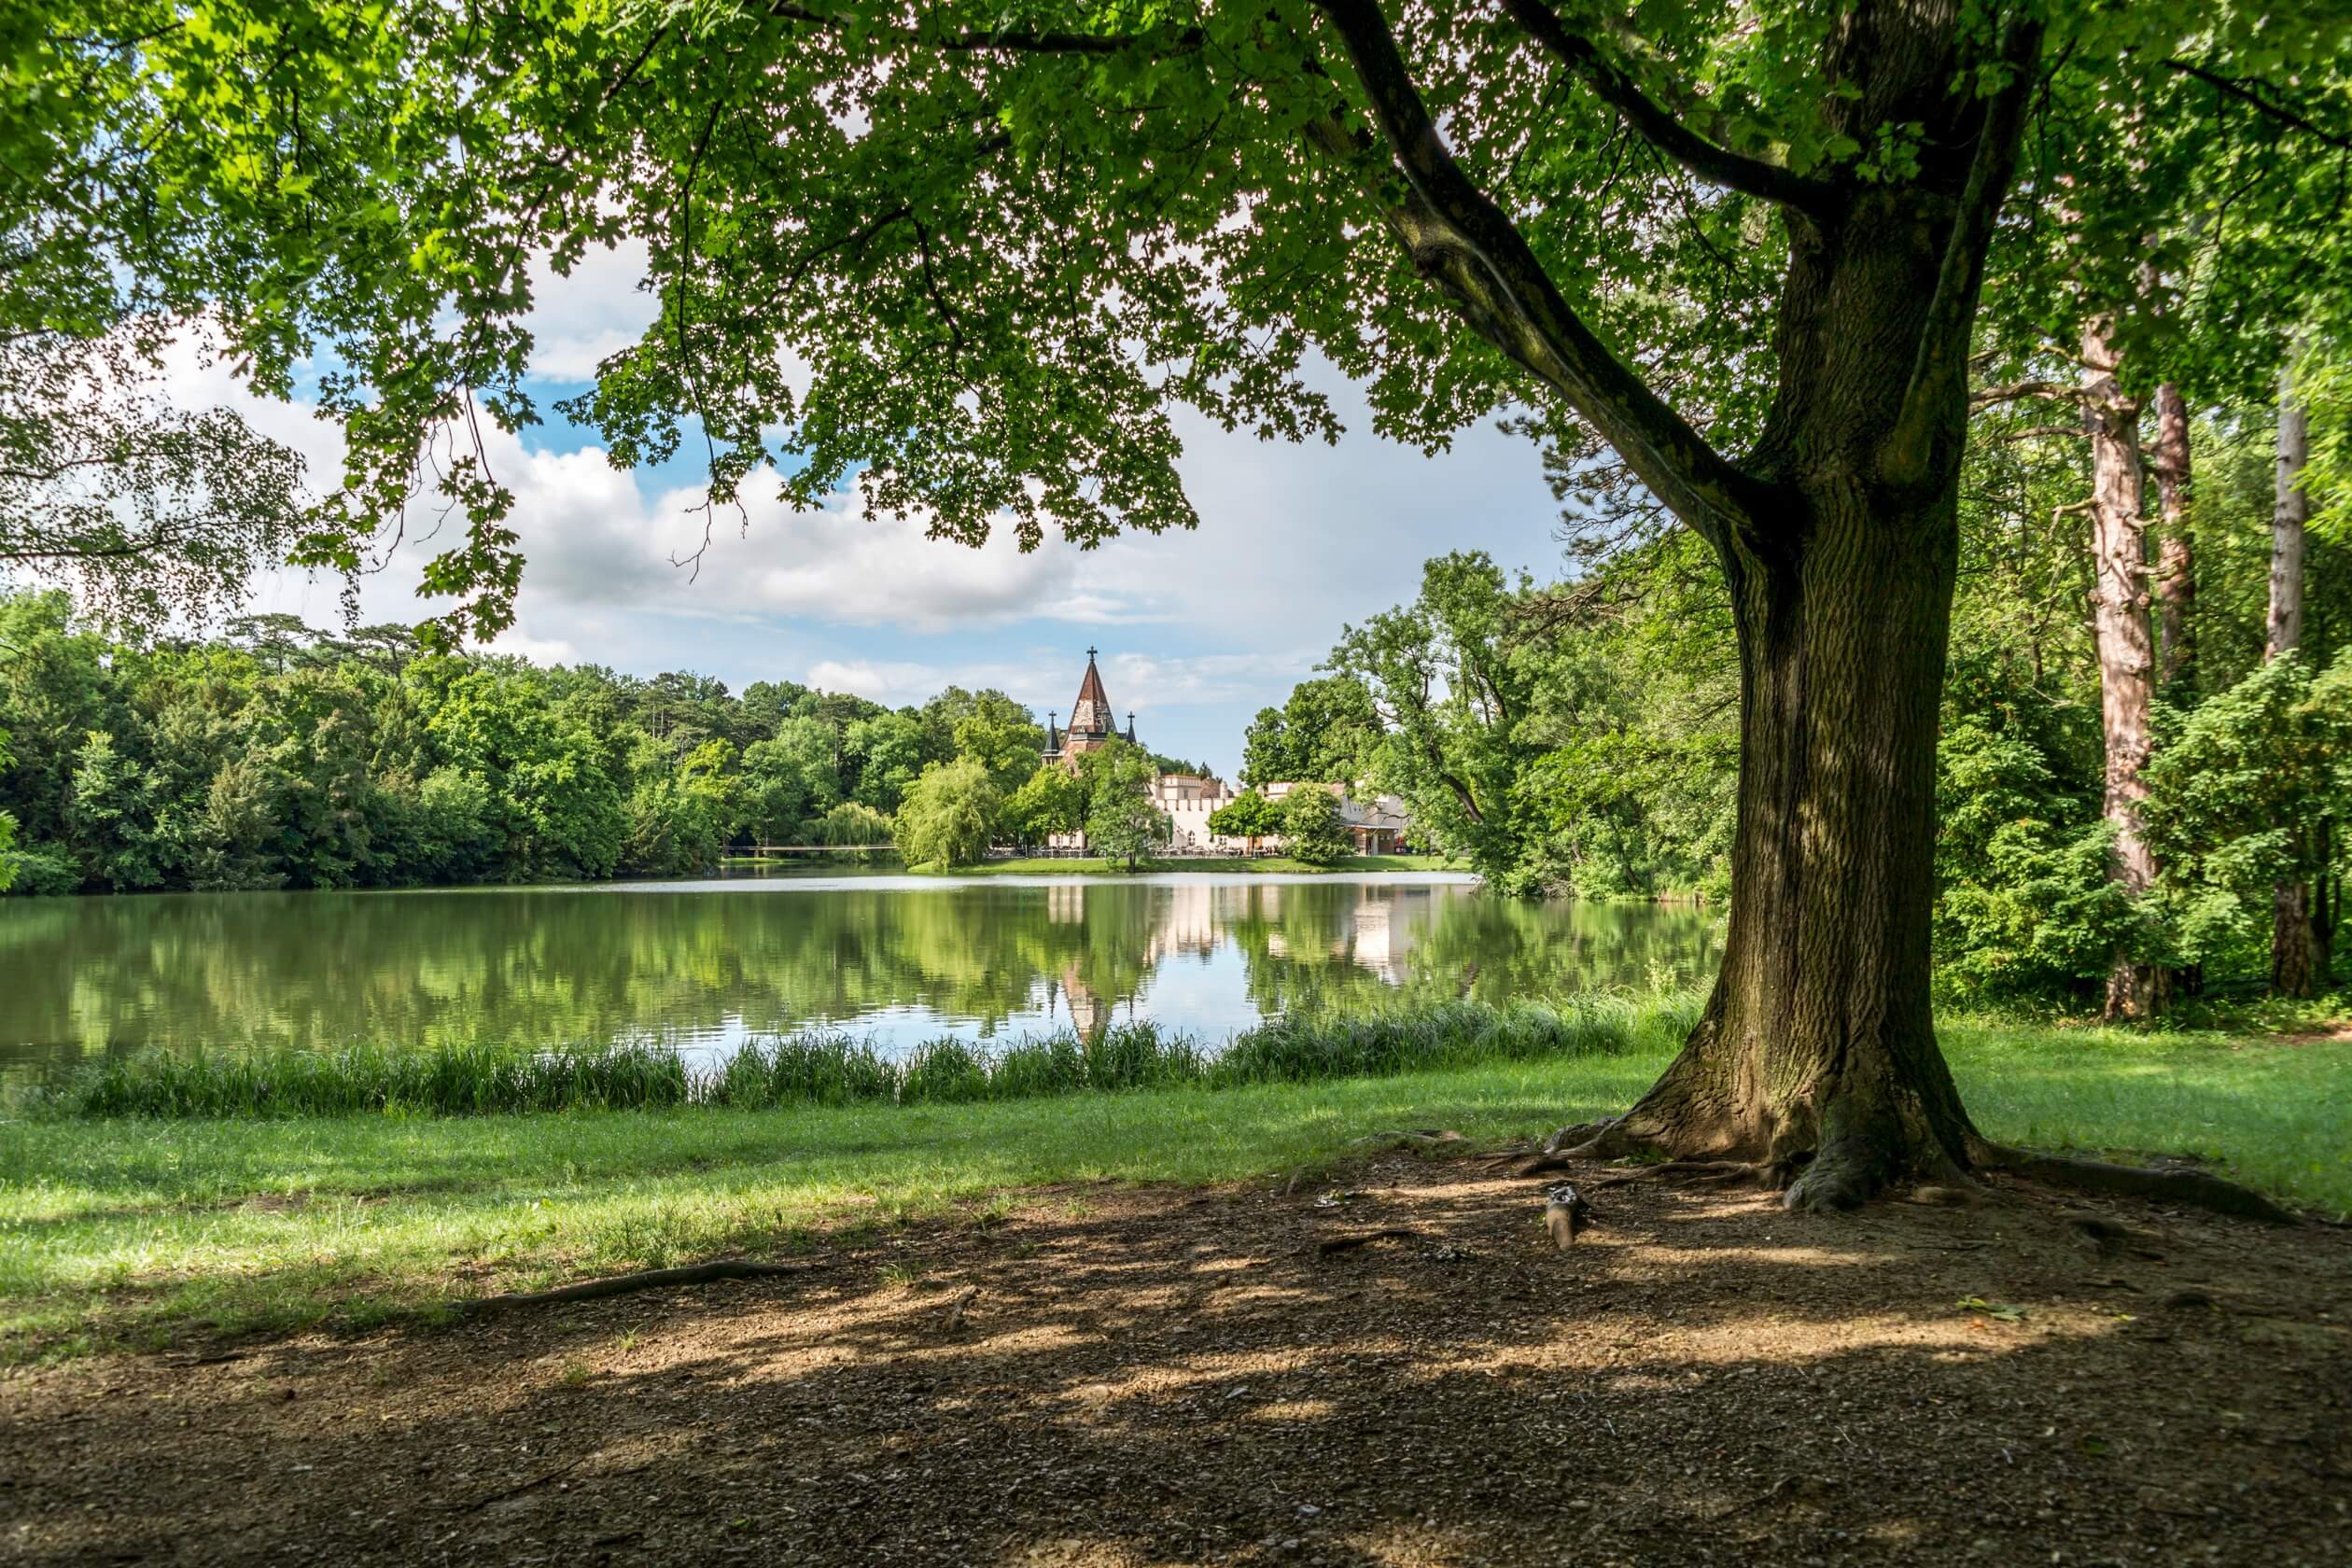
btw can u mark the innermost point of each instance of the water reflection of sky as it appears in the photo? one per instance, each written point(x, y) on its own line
point(891, 959)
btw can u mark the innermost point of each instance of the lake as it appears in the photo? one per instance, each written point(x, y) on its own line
point(899, 959)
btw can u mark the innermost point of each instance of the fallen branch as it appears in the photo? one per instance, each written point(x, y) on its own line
point(650, 1279)
point(2193, 1188)
point(1348, 1243)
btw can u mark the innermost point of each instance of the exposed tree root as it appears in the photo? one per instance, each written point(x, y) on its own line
point(2193, 1188)
point(1846, 1173)
point(650, 1279)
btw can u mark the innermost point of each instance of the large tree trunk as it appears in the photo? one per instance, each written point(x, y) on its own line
point(2299, 932)
point(2127, 661)
point(2176, 555)
point(1816, 1057)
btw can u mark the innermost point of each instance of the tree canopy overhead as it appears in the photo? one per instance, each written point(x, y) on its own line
point(983, 254)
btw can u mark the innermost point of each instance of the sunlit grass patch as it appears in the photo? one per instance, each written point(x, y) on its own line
point(131, 1230)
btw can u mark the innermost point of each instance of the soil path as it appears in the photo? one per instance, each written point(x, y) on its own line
point(1124, 1376)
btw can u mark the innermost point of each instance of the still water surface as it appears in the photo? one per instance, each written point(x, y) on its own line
point(703, 965)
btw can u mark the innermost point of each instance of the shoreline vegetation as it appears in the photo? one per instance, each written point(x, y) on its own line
point(141, 1230)
point(835, 1068)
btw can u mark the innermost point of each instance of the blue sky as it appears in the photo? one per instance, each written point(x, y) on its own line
point(1198, 630)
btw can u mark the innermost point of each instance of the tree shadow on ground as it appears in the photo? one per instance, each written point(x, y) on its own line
point(1124, 1377)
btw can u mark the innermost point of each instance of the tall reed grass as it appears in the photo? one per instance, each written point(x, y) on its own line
point(838, 1069)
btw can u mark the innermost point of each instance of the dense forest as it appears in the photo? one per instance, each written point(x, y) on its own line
point(1582, 736)
point(281, 756)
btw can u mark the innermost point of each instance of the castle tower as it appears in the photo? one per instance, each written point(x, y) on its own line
point(1092, 722)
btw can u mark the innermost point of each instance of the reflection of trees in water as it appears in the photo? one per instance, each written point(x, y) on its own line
point(539, 967)
point(1411, 943)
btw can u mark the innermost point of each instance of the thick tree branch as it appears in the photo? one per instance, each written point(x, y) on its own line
point(1939, 374)
point(1457, 237)
point(1735, 171)
point(2017, 391)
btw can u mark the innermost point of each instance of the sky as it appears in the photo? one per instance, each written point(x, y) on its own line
point(1198, 630)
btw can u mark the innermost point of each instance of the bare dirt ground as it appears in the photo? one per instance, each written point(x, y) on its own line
point(1124, 1376)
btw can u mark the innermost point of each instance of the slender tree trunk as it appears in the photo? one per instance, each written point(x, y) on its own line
point(2177, 563)
point(2290, 515)
point(2127, 661)
point(2299, 961)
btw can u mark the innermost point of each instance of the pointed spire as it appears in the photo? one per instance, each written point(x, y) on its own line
point(1091, 714)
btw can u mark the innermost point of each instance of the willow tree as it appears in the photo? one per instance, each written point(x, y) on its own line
point(981, 256)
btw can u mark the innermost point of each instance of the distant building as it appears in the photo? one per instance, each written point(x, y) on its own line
point(1090, 722)
point(1378, 824)
point(1189, 799)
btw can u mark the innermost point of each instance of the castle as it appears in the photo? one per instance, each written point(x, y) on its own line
point(1188, 799)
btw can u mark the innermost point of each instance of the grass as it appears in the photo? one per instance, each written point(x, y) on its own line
point(818, 1069)
point(130, 1231)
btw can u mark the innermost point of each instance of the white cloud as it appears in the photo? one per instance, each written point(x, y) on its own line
point(1294, 541)
point(575, 322)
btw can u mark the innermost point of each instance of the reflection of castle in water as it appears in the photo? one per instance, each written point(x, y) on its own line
point(1193, 920)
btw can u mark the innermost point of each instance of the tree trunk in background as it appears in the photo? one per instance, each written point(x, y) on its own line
point(2127, 655)
point(2177, 562)
point(2298, 965)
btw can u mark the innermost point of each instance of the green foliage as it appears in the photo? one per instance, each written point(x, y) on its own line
point(445, 1080)
point(1321, 734)
point(832, 1069)
point(2026, 904)
point(148, 512)
point(1247, 815)
point(366, 187)
point(2251, 789)
point(1051, 800)
point(1313, 828)
point(1452, 691)
point(949, 816)
point(279, 756)
point(852, 825)
point(1121, 820)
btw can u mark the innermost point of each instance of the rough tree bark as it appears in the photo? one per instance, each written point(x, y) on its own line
point(1815, 1062)
point(2298, 927)
point(2176, 554)
point(2127, 654)
point(1838, 535)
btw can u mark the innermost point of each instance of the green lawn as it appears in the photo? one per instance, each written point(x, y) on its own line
point(133, 1231)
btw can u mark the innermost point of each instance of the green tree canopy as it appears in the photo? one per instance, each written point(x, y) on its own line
point(1121, 820)
point(1248, 814)
point(1323, 734)
point(1313, 828)
point(949, 816)
point(1051, 800)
